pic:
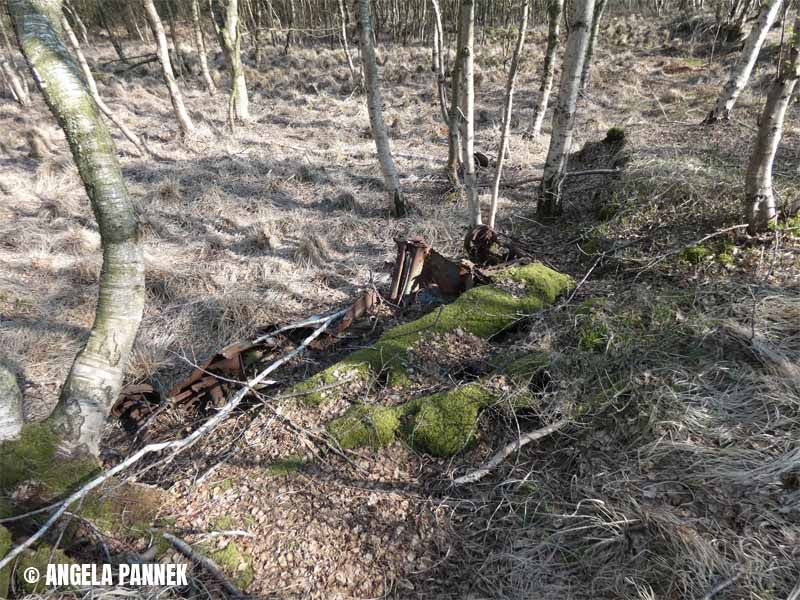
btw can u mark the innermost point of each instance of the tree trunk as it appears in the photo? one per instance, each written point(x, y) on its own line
point(10, 408)
point(354, 73)
point(554, 10)
point(740, 73)
point(468, 122)
point(760, 206)
point(587, 63)
point(201, 48)
point(185, 123)
point(111, 37)
point(226, 22)
point(564, 113)
point(95, 379)
point(87, 74)
point(375, 107)
point(454, 154)
point(438, 60)
point(507, 108)
point(8, 68)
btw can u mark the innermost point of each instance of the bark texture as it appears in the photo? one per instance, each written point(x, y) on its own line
point(201, 48)
point(96, 376)
point(600, 8)
point(555, 8)
point(741, 71)
point(184, 121)
point(10, 406)
point(454, 151)
point(564, 113)
point(375, 107)
point(438, 60)
point(507, 109)
point(760, 205)
point(468, 103)
point(226, 22)
point(354, 73)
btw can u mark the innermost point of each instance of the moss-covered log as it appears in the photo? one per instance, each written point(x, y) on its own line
point(483, 311)
point(95, 380)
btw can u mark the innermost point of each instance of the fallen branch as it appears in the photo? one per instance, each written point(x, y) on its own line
point(176, 445)
point(572, 174)
point(208, 564)
point(498, 458)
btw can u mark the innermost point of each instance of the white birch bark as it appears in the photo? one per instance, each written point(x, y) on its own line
point(555, 9)
point(201, 48)
point(760, 205)
point(226, 21)
point(564, 113)
point(354, 73)
point(375, 108)
point(600, 7)
point(740, 73)
point(95, 380)
point(72, 39)
point(507, 109)
point(10, 405)
point(468, 104)
point(184, 121)
point(438, 60)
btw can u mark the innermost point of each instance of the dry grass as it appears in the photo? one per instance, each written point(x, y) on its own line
point(679, 474)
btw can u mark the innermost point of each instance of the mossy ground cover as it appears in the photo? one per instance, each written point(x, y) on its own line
point(482, 311)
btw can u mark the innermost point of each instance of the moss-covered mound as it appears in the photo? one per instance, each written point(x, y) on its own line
point(440, 424)
point(482, 311)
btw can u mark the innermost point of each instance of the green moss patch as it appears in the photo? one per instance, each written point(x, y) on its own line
point(483, 311)
point(237, 564)
point(440, 424)
point(32, 457)
point(285, 467)
point(5, 574)
point(39, 559)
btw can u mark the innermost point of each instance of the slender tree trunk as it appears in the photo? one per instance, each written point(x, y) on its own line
point(226, 21)
point(14, 81)
point(454, 154)
point(507, 108)
point(177, 60)
point(760, 204)
point(375, 107)
point(438, 60)
point(587, 63)
point(111, 37)
point(564, 113)
point(554, 10)
point(184, 121)
point(10, 407)
point(78, 22)
point(87, 74)
point(468, 123)
point(201, 48)
point(355, 74)
point(740, 74)
point(96, 376)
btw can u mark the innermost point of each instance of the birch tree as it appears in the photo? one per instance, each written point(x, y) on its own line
point(354, 73)
point(507, 109)
point(226, 23)
point(740, 73)
point(95, 380)
point(600, 8)
point(454, 149)
point(468, 104)
point(554, 10)
point(438, 60)
point(375, 107)
point(184, 121)
point(760, 205)
point(564, 113)
point(72, 39)
point(201, 48)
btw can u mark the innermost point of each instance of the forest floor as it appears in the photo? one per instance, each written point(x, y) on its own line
point(680, 478)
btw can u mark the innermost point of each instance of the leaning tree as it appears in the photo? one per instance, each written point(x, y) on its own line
point(96, 376)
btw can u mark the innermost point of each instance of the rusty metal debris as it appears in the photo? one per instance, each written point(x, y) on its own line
point(419, 267)
point(487, 247)
point(211, 382)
